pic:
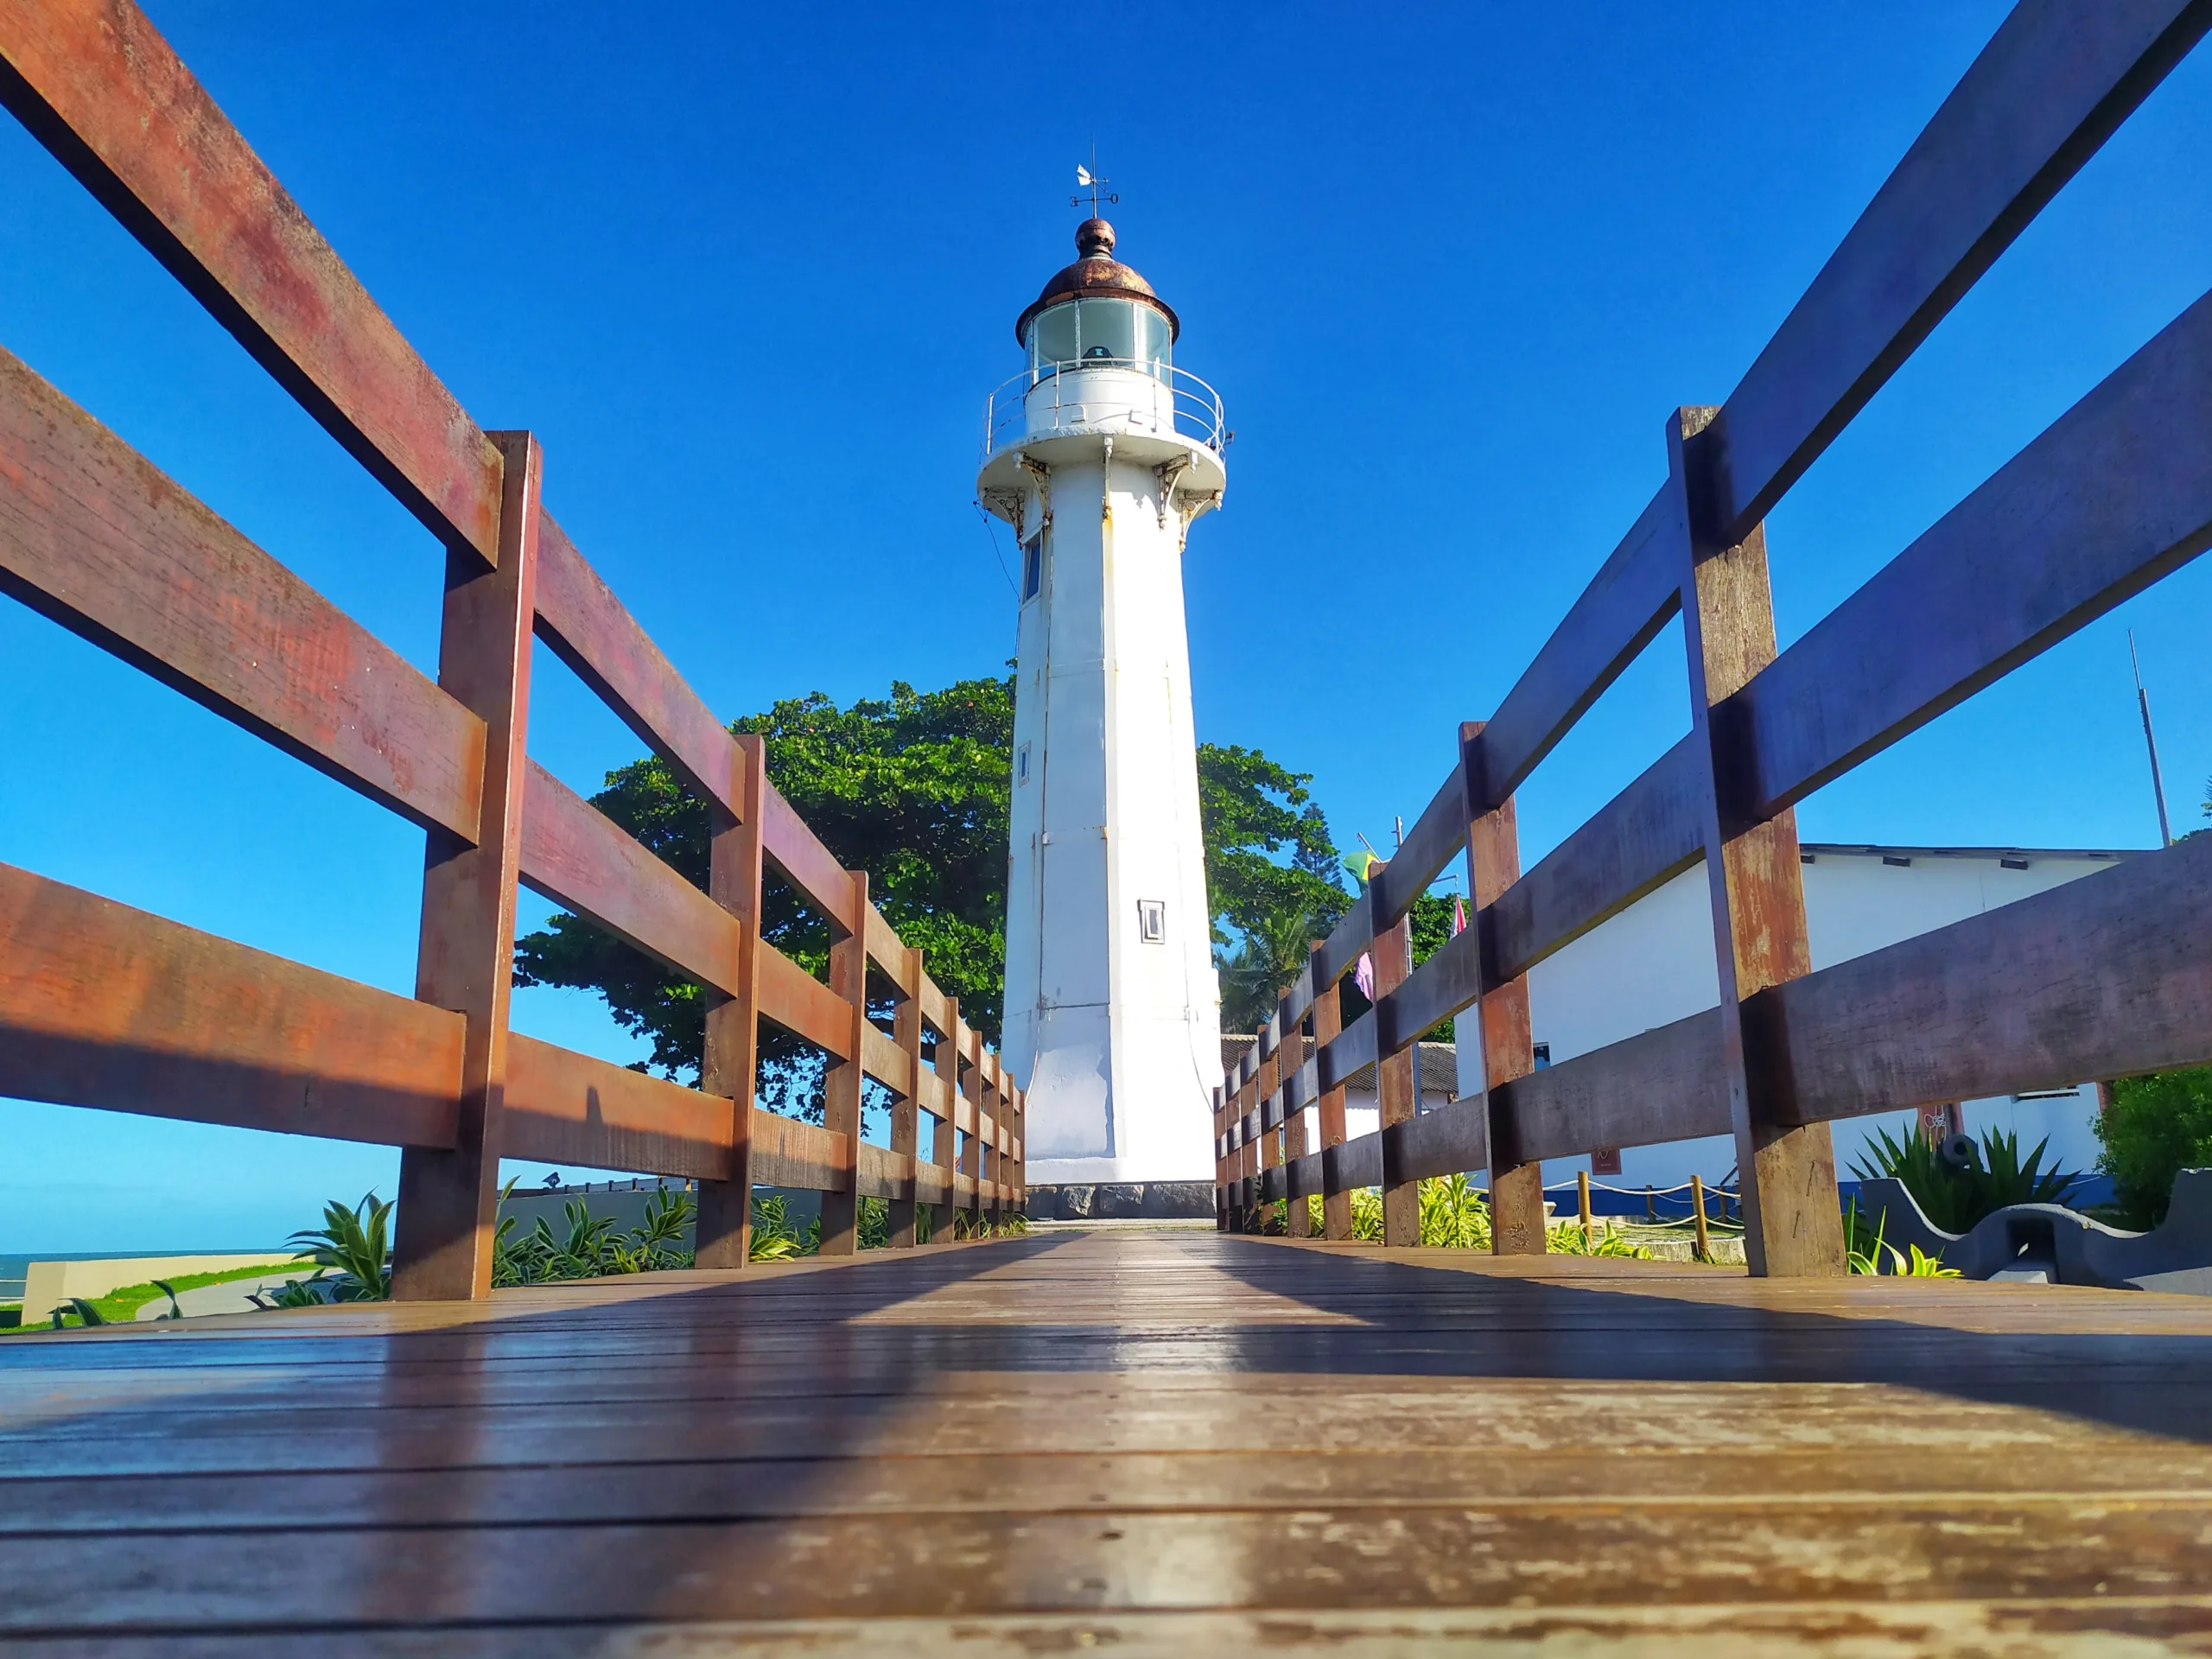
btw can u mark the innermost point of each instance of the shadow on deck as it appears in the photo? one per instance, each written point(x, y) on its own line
point(1155, 1441)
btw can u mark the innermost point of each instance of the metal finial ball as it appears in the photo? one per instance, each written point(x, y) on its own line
point(1094, 239)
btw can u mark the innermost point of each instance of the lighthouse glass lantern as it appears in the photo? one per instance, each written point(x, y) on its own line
point(1100, 453)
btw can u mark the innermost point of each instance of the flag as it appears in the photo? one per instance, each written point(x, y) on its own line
point(1363, 865)
point(1082, 175)
point(1363, 976)
point(1459, 915)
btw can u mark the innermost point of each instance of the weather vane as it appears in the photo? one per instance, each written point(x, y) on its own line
point(1088, 178)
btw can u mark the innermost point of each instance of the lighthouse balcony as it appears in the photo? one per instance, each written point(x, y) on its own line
point(1140, 397)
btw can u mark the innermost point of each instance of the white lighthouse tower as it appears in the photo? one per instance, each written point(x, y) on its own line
point(1100, 453)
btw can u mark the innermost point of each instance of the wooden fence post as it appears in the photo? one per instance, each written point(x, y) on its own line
point(1298, 1214)
point(943, 1139)
point(1517, 1189)
point(1328, 1022)
point(1263, 1090)
point(1395, 1085)
point(731, 1067)
point(905, 1110)
point(1247, 1156)
point(842, 1086)
point(1222, 1160)
point(971, 1145)
point(448, 1200)
point(1793, 1225)
point(1022, 1155)
point(987, 1168)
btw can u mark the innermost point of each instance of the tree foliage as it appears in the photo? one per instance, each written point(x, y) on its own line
point(913, 789)
point(916, 790)
point(1251, 808)
point(2155, 1127)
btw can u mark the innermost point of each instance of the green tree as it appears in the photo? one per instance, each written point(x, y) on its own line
point(2155, 1127)
point(913, 789)
point(1250, 809)
point(1271, 876)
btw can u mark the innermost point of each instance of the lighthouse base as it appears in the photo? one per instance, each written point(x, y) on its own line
point(1122, 1201)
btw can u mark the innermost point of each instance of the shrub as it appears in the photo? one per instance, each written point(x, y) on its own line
point(1867, 1251)
point(1455, 1216)
point(2155, 1127)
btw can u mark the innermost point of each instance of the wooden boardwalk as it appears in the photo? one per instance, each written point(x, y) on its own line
point(1152, 1442)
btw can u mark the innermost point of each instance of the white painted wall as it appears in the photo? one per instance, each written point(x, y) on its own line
point(1115, 1037)
point(1652, 965)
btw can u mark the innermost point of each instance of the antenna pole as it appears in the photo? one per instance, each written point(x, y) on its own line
point(2150, 742)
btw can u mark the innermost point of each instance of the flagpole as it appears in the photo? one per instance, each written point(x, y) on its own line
point(2150, 742)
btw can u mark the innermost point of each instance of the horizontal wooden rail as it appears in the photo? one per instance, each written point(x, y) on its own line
point(103, 1005)
point(95, 83)
point(565, 1108)
point(2113, 495)
point(1643, 838)
point(2106, 976)
point(99, 539)
point(590, 629)
point(2054, 83)
point(2101, 978)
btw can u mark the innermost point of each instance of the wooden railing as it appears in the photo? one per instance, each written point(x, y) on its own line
point(2106, 976)
point(105, 1005)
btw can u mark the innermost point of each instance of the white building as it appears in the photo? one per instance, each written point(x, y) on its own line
point(1652, 965)
point(1100, 453)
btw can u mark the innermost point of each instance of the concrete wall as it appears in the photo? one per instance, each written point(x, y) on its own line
point(48, 1284)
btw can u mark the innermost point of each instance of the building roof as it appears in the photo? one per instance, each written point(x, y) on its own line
point(1867, 849)
point(1096, 275)
point(1439, 1064)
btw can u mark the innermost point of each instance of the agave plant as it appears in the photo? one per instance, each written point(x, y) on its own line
point(1954, 1197)
point(356, 1242)
point(86, 1314)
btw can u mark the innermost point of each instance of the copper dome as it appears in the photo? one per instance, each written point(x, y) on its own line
point(1096, 275)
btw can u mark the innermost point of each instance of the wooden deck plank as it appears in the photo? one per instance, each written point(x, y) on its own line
point(1157, 1440)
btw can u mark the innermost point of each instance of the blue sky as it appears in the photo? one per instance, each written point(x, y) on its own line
point(749, 274)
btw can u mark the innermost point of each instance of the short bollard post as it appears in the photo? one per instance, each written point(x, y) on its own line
point(1582, 1202)
point(1697, 1208)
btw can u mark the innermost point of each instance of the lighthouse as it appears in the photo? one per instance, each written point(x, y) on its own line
point(1101, 453)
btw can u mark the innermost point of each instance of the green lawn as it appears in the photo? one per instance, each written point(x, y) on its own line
point(121, 1305)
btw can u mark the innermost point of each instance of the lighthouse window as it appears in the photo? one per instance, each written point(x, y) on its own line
point(1053, 337)
point(1108, 328)
point(1021, 765)
point(1033, 566)
point(1152, 921)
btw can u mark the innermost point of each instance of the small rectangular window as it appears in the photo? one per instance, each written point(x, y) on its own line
point(1021, 765)
point(1152, 921)
point(1033, 566)
point(1540, 1053)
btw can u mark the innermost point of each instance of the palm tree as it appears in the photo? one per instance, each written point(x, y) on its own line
point(1274, 947)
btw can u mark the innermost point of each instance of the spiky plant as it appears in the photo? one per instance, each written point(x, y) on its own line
point(357, 1243)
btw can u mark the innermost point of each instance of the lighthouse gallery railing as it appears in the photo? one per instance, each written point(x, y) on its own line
point(1103, 395)
point(2103, 977)
point(105, 1005)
